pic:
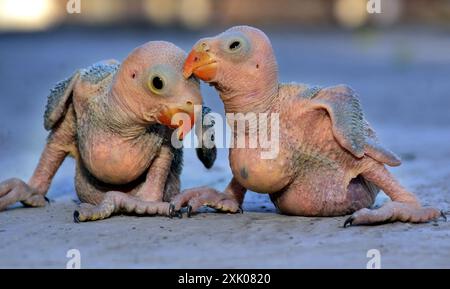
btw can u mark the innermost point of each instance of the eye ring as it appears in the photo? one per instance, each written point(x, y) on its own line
point(237, 46)
point(156, 84)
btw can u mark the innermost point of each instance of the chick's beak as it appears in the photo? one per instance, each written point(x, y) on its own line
point(201, 64)
point(178, 116)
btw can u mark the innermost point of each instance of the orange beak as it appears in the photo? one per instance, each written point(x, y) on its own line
point(179, 117)
point(201, 64)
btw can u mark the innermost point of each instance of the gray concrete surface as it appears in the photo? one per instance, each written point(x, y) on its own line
point(402, 76)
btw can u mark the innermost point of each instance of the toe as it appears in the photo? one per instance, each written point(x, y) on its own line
point(175, 205)
point(173, 212)
point(35, 201)
point(179, 201)
point(195, 204)
point(11, 184)
point(229, 206)
point(9, 199)
point(348, 222)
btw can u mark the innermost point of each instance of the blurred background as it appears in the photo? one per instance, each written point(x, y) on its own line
point(398, 60)
point(34, 15)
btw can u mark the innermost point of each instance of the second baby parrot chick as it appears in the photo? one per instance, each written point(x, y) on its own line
point(330, 162)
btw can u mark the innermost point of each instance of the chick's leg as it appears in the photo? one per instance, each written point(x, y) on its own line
point(148, 200)
point(229, 201)
point(153, 188)
point(404, 206)
point(59, 144)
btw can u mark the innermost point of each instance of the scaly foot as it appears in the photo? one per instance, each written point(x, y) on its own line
point(394, 211)
point(15, 190)
point(118, 202)
point(195, 198)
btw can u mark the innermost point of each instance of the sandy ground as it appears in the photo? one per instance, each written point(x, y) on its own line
point(402, 77)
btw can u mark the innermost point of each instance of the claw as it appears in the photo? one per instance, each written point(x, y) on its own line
point(348, 222)
point(443, 216)
point(173, 212)
point(189, 211)
point(76, 216)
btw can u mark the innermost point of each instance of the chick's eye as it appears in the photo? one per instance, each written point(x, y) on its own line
point(157, 83)
point(235, 45)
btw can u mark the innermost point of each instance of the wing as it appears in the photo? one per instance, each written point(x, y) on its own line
point(350, 127)
point(99, 71)
point(61, 94)
point(58, 100)
point(374, 149)
point(207, 153)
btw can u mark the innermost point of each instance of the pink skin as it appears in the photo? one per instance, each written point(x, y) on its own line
point(103, 123)
point(318, 171)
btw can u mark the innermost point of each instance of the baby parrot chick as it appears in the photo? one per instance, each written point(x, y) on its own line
point(115, 119)
point(329, 163)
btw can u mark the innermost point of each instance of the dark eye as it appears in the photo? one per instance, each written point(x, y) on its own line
point(235, 45)
point(157, 83)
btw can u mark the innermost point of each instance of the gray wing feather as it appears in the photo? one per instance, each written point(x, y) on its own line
point(347, 116)
point(99, 71)
point(58, 100)
point(61, 93)
point(350, 126)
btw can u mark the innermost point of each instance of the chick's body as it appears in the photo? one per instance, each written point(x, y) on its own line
point(311, 173)
point(329, 161)
point(115, 120)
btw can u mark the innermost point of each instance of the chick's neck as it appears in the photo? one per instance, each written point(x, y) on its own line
point(120, 115)
point(256, 96)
